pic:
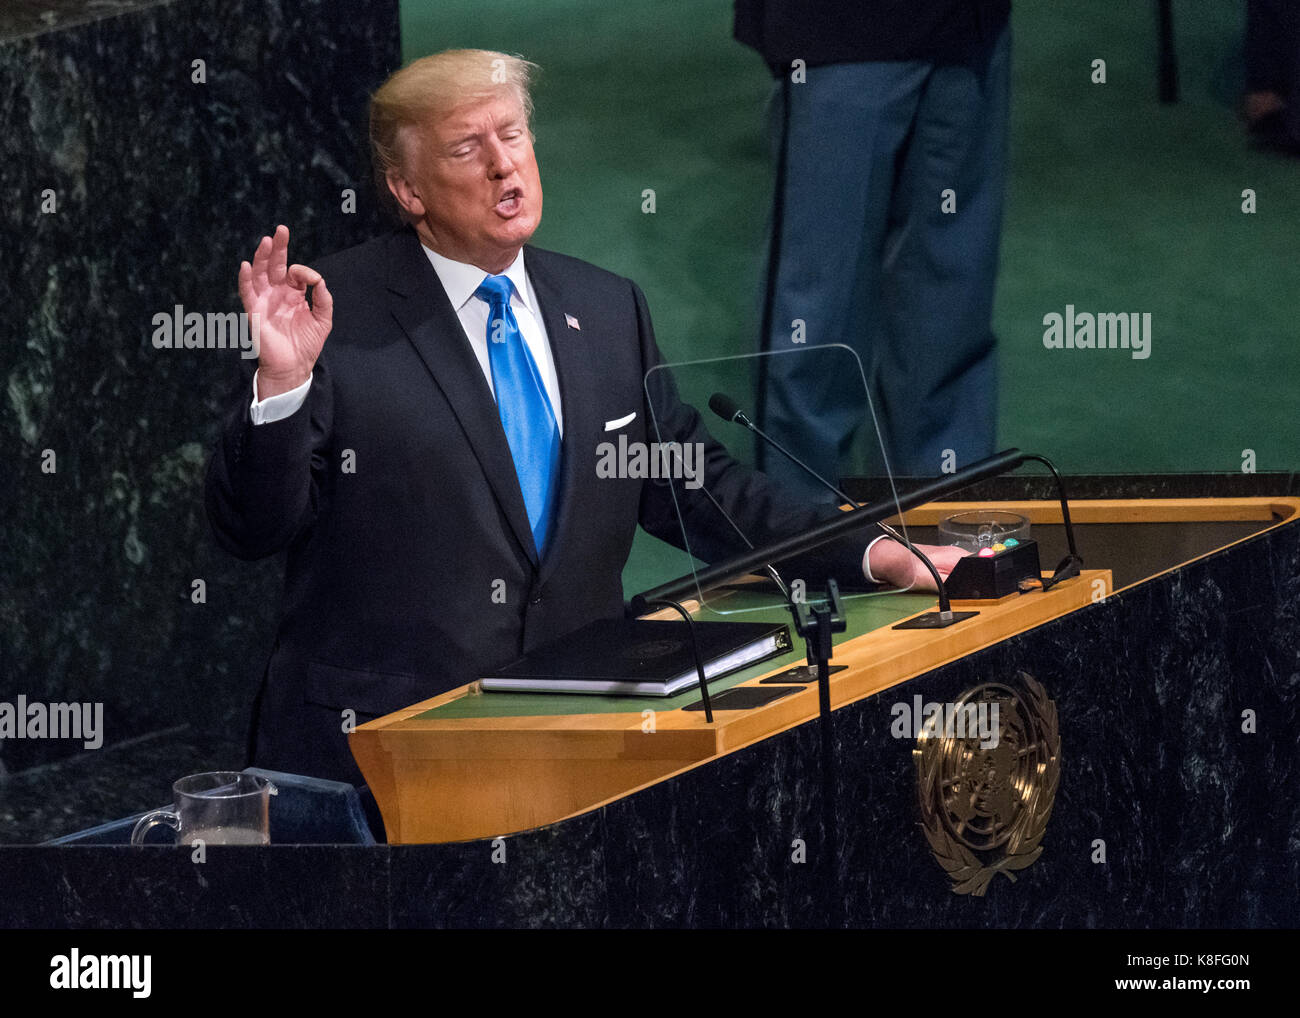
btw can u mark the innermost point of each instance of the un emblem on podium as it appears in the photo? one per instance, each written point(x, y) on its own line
point(985, 803)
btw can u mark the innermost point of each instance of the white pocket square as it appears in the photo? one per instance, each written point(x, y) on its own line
point(615, 425)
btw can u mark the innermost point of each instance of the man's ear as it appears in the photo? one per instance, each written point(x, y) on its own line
point(405, 193)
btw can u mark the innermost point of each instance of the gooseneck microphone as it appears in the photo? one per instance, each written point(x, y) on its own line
point(726, 408)
point(1072, 564)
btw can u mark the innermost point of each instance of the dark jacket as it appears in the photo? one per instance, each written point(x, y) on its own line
point(852, 31)
point(392, 566)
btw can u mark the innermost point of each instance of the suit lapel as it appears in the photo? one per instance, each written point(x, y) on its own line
point(422, 309)
point(579, 379)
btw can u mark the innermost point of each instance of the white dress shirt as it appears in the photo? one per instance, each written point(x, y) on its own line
point(459, 281)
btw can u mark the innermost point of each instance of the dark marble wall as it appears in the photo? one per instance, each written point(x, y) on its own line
point(36, 17)
point(161, 186)
point(1201, 821)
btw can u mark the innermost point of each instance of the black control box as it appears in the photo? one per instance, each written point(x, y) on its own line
point(991, 577)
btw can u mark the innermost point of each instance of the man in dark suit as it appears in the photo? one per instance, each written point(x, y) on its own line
point(431, 471)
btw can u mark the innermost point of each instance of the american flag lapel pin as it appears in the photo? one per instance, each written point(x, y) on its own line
point(572, 322)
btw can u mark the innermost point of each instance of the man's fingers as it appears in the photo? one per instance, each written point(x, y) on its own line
point(322, 302)
point(277, 269)
point(246, 286)
point(261, 258)
point(303, 276)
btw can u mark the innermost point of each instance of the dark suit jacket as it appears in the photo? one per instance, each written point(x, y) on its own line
point(851, 31)
point(394, 495)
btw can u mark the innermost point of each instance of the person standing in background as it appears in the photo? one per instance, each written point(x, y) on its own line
point(889, 121)
point(1272, 102)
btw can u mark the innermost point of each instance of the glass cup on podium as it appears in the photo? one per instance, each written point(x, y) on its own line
point(983, 528)
point(217, 808)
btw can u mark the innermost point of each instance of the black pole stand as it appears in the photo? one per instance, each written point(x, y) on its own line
point(1168, 56)
point(817, 626)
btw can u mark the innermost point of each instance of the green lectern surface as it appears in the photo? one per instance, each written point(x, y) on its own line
point(865, 613)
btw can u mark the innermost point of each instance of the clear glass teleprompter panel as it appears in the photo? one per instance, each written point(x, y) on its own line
point(693, 465)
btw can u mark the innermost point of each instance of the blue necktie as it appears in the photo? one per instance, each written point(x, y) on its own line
point(525, 410)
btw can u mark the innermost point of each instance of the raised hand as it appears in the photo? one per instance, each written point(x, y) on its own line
point(291, 331)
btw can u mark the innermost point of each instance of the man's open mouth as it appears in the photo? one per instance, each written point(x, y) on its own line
point(509, 203)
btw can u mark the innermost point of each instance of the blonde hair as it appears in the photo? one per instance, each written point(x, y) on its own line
point(430, 88)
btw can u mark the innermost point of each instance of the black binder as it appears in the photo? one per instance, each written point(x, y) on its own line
point(639, 657)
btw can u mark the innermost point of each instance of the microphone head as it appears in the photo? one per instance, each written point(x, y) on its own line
point(724, 406)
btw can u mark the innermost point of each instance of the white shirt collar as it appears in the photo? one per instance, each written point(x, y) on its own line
point(460, 279)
